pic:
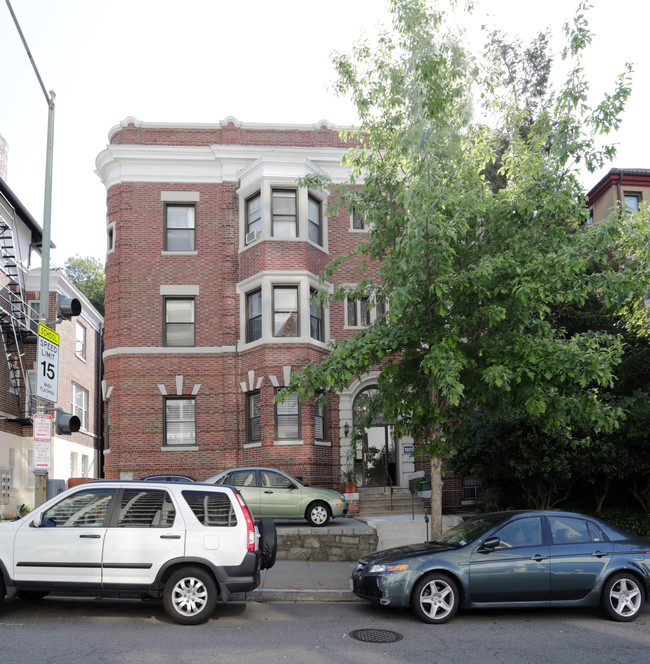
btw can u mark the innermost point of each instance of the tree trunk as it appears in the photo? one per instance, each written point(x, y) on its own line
point(436, 496)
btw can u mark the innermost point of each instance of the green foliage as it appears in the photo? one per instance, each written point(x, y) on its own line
point(637, 523)
point(87, 274)
point(473, 272)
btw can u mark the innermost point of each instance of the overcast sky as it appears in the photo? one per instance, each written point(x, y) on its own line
point(203, 60)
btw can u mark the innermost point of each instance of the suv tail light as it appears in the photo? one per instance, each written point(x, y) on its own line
point(250, 526)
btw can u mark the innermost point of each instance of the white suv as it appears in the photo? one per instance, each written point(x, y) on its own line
point(187, 543)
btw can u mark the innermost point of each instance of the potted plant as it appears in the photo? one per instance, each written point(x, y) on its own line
point(423, 486)
point(348, 478)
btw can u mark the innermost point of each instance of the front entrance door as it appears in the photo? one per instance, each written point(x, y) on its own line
point(376, 458)
point(378, 462)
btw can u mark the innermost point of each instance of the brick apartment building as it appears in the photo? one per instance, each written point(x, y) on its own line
point(79, 363)
point(214, 257)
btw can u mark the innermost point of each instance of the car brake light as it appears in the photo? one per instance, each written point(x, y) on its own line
point(250, 526)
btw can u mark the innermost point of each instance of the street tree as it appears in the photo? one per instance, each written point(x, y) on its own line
point(470, 273)
point(87, 274)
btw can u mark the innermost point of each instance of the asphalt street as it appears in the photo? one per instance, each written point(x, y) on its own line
point(133, 632)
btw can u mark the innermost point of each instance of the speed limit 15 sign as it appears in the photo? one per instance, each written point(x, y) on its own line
point(47, 364)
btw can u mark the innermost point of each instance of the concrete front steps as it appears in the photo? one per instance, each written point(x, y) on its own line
point(384, 501)
point(400, 530)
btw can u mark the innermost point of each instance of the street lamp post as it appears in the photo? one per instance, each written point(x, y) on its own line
point(41, 476)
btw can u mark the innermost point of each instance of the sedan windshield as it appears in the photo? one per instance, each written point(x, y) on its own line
point(466, 532)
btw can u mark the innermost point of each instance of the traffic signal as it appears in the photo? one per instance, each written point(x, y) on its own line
point(65, 424)
point(67, 307)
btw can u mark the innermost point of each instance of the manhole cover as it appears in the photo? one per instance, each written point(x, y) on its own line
point(376, 635)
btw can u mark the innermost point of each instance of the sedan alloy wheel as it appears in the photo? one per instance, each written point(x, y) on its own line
point(435, 598)
point(623, 597)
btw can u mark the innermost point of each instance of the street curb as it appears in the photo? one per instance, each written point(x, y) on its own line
point(294, 595)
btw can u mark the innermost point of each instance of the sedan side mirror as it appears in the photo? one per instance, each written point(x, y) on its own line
point(489, 545)
point(37, 521)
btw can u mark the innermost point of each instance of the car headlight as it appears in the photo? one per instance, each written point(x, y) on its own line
point(341, 497)
point(385, 569)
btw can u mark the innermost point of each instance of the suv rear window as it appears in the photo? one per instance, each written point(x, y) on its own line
point(211, 508)
point(146, 509)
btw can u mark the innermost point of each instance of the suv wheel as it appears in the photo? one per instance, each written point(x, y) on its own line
point(190, 596)
point(2, 589)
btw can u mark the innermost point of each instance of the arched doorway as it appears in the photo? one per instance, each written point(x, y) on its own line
point(375, 462)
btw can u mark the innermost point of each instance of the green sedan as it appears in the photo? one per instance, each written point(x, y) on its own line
point(512, 560)
point(270, 493)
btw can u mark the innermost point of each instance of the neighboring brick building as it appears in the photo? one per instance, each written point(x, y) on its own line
point(214, 255)
point(79, 361)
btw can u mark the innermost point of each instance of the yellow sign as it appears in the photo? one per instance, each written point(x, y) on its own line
point(47, 333)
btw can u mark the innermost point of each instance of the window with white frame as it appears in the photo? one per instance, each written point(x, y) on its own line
point(180, 227)
point(314, 220)
point(179, 321)
point(253, 417)
point(254, 315)
point(320, 421)
point(80, 342)
point(84, 465)
point(285, 311)
point(74, 464)
point(80, 404)
point(358, 223)
point(287, 418)
point(110, 238)
point(254, 214)
point(360, 313)
point(284, 213)
point(180, 421)
point(316, 316)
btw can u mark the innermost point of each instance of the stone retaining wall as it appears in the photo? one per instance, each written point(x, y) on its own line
point(330, 543)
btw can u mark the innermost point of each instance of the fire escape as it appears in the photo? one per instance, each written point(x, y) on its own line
point(18, 325)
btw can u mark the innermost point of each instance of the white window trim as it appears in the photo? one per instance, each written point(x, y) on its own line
point(111, 231)
point(266, 281)
point(372, 310)
point(265, 186)
point(84, 411)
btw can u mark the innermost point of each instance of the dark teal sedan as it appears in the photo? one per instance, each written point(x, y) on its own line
point(512, 560)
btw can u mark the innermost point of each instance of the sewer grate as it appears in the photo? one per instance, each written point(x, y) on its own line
point(376, 635)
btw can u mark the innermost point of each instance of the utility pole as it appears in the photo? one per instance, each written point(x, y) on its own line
point(41, 475)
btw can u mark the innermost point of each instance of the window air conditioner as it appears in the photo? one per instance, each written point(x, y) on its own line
point(252, 236)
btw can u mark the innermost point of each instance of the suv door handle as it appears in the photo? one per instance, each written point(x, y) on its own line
point(95, 536)
point(599, 554)
point(537, 557)
point(268, 491)
point(170, 537)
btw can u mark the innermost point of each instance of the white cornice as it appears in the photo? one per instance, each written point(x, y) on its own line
point(223, 124)
point(209, 164)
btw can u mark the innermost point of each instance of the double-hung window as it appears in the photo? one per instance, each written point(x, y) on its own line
point(285, 311)
point(287, 418)
point(358, 223)
point(253, 418)
point(80, 342)
point(254, 315)
point(179, 321)
point(254, 214)
point(316, 316)
point(180, 421)
point(320, 421)
point(180, 227)
point(284, 213)
point(315, 220)
point(358, 312)
point(80, 404)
